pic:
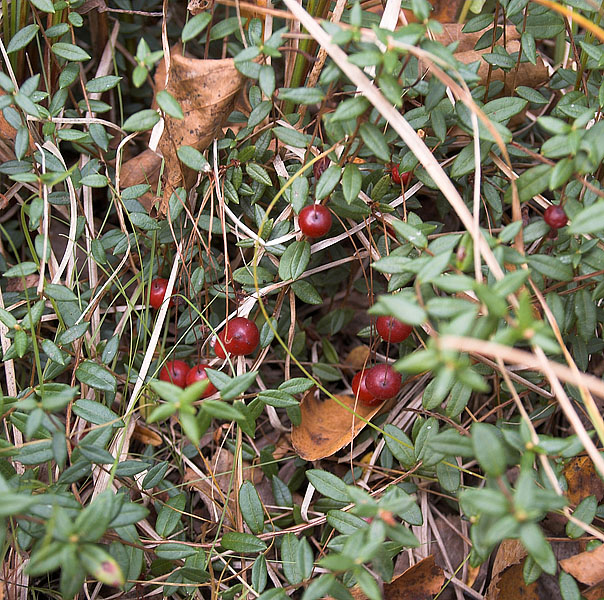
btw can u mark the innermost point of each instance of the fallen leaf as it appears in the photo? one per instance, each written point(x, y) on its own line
point(422, 581)
point(452, 32)
point(511, 586)
point(146, 436)
point(197, 6)
point(358, 357)
point(582, 480)
point(507, 581)
point(89, 5)
point(326, 427)
point(527, 74)
point(140, 169)
point(419, 582)
point(594, 593)
point(586, 567)
point(206, 91)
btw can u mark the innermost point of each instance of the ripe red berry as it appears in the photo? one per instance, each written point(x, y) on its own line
point(198, 373)
point(360, 391)
point(240, 337)
point(383, 382)
point(555, 216)
point(218, 347)
point(393, 330)
point(314, 220)
point(175, 371)
point(397, 177)
point(158, 292)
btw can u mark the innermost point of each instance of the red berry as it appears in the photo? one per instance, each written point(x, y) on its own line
point(315, 220)
point(240, 337)
point(555, 216)
point(158, 292)
point(175, 371)
point(383, 382)
point(320, 167)
point(198, 373)
point(218, 347)
point(397, 177)
point(392, 330)
point(360, 391)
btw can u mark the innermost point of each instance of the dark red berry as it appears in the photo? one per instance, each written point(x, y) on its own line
point(555, 216)
point(393, 330)
point(240, 337)
point(314, 220)
point(320, 167)
point(158, 292)
point(218, 347)
point(198, 373)
point(360, 391)
point(383, 382)
point(397, 177)
point(175, 371)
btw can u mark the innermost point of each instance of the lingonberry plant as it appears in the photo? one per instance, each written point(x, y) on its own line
point(343, 174)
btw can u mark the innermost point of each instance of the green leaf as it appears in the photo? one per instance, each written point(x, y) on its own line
point(585, 512)
point(291, 137)
point(350, 109)
point(569, 590)
point(245, 543)
point(59, 293)
point(400, 445)
point(12, 503)
point(44, 5)
point(169, 515)
point(222, 410)
point(294, 260)
point(21, 270)
point(344, 522)
point(22, 38)
point(251, 507)
point(551, 267)
point(277, 398)
point(327, 484)
point(401, 307)
point(302, 95)
point(95, 376)
point(410, 233)
point(70, 52)
point(352, 181)
point(327, 182)
point(98, 85)
point(289, 558)
point(193, 158)
point(175, 551)
point(169, 104)
point(237, 386)
point(374, 140)
point(296, 385)
point(195, 26)
point(258, 173)
point(96, 413)
point(488, 449)
point(536, 545)
point(589, 220)
point(141, 120)
point(306, 292)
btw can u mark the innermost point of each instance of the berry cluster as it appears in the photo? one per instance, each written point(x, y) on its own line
point(381, 382)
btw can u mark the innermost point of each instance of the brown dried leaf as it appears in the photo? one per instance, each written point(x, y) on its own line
point(206, 91)
point(422, 581)
point(326, 427)
point(146, 436)
point(528, 74)
point(582, 480)
point(452, 32)
point(358, 357)
point(89, 5)
point(143, 168)
point(594, 593)
point(587, 567)
point(507, 574)
point(511, 586)
point(197, 6)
